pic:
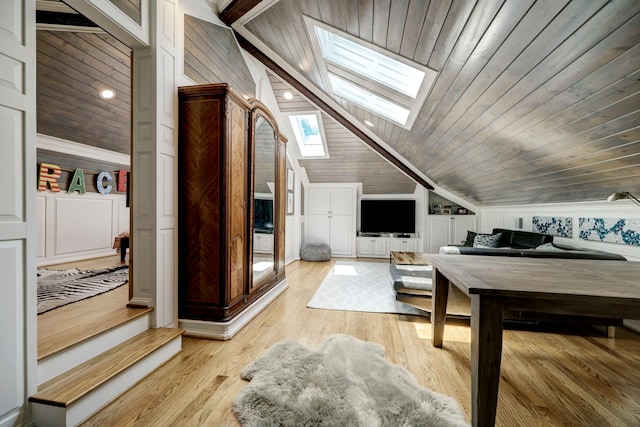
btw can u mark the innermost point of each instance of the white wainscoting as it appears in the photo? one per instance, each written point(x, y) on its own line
point(75, 226)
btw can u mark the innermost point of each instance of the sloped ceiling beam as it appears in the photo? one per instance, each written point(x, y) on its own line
point(234, 11)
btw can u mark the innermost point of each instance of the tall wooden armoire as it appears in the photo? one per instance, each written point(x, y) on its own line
point(219, 134)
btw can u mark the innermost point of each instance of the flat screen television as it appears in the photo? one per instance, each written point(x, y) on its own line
point(387, 216)
point(263, 216)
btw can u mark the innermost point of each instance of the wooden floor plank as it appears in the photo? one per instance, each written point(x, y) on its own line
point(77, 382)
point(551, 376)
point(65, 326)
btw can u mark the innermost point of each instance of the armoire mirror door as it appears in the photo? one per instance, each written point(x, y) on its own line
point(264, 199)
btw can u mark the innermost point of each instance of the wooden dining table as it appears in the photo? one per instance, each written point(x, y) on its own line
point(599, 288)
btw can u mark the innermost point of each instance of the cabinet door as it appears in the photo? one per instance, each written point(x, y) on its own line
point(379, 247)
point(319, 201)
point(342, 201)
point(365, 246)
point(319, 229)
point(237, 194)
point(462, 224)
point(438, 232)
point(410, 245)
point(341, 234)
point(396, 245)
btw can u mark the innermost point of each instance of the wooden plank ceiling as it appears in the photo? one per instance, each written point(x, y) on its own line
point(534, 101)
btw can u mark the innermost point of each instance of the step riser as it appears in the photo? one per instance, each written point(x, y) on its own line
point(57, 364)
point(55, 416)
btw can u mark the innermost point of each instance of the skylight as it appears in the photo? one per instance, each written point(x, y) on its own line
point(378, 80)
point(375, 103)
point(371, 64)
point(307, 129)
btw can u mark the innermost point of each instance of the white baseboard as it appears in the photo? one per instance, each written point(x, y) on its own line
point(226, 330)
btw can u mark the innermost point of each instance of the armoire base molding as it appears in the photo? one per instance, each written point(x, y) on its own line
point(226, 330)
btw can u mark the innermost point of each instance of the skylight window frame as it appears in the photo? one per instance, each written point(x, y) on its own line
point(297, 134)
point(326, 66)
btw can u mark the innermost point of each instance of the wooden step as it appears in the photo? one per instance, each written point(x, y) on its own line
point(77, 393)
point(96, 340)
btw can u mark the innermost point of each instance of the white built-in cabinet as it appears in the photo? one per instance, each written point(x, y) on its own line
point(263, 243)
point(402, 244)
point(381, 247)
point(374, 247)
point(331, 218)
point(443, 230)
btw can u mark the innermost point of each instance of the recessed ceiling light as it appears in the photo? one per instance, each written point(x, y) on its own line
point(368, 123)
point(107, 94)
point(288, 95)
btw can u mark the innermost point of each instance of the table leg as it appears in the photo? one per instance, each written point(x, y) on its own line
point(486, 353)
point(439, 297)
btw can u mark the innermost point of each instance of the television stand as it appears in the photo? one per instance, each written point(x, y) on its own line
point(379, 245)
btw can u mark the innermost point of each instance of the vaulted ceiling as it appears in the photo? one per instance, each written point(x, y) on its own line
point(533, 101)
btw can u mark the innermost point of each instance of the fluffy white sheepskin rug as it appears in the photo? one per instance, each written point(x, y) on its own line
point(346, 382)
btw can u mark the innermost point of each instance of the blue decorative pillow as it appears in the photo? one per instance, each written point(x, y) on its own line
point(487, 240)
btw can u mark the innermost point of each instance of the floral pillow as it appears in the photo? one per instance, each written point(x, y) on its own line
point(487, 240)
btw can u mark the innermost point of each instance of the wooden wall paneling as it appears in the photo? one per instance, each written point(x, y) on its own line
point(91, 168)
point(290, 26)
point(212, 55)
point(574, 139)
point(410, 26)
point(335, 14)
point(510, 86)
point(351, 20)
point(431, 113)
point(575, 72)
point(365, 15)
point(72, 68)
point(130, 7)
point(585, 110)
point(456, 21)
point(584, 135)
point(518, 83)
point(381, 11)
point(489, 59)
point(467, 77)
point(396, 17)
point(431, 29)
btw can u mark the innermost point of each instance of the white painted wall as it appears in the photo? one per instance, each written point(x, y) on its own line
point(75, 226)
point(506, 217)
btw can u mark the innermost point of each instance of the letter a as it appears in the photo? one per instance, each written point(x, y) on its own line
point(77, 182)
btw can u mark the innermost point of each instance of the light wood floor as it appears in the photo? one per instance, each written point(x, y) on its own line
point(564, 377)
point(67, 325)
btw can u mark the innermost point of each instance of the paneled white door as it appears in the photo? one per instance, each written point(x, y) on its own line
point(18, 365)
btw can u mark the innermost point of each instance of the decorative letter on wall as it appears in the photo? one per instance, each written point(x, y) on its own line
point(49, 174)
point(77, 182)
point(101, 188)
point(122, 180)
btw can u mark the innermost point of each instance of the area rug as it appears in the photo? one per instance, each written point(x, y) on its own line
point(346, 382)
point(360, 286)
point(61, 287)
